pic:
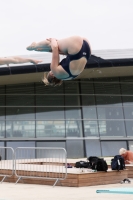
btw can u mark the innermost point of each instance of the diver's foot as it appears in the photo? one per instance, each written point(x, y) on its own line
point(32, 47)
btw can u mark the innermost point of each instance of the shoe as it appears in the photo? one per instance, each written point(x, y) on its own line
point(126, 180)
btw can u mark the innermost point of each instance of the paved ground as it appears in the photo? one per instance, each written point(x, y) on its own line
point(10, 191)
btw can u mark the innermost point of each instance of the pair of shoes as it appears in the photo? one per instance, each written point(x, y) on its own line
point(126, 180)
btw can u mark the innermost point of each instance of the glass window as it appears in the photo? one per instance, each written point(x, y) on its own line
point(89, 112)
point(108, 87)
point(2, 113)
point(127, 100)
point(128, 112)
point(1, 144)
point(111, 128)
point(2, 103)
point(2, 100)
point(86, 87)
point(27, 88)
point(72, 100)
point(51, 153)
point(75, 148)
point(71, 87)
point(126, 79)
point(20, 100)
point(20, 129)
point(106, 80)
point(130, 144)
point(2, 151)
point(49, 113)
point(73, 128)
point(108, 100)
point(22, 153)
point(111, 148)
point(129, 127)
point(2, 129)
point(50, 129)
point(110, 112)
point(50, 100)
point(92, 148)
point(88, 100)
point(72, 113)
point(41, 89)
point(127, 88)
point(90, 128)
point(18, 113)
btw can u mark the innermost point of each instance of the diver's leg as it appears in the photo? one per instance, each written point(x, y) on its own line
point(45, 46)
point(40, 46)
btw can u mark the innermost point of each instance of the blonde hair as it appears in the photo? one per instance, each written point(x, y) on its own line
point(45, 80)
point(55, 81)
point(122, 151)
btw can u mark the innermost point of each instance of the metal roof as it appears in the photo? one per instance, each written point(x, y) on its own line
point(114, 53)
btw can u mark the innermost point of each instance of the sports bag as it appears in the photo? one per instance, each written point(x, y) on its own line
point(98, 164)
point(82, 164)
point(117, 163)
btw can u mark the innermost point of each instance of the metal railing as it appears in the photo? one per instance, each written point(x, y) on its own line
point(7, 162)
point(41, 162)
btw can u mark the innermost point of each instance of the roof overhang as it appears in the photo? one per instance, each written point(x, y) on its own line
point(105, 64)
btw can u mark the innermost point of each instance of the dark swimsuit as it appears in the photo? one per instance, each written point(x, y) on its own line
point(84, 52)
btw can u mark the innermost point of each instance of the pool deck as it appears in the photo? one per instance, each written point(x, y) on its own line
point(10, 191)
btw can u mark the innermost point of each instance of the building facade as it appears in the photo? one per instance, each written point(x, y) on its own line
point(87, 117)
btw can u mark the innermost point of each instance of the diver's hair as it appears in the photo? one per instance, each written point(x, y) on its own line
point(45, 80)
point(55, 81)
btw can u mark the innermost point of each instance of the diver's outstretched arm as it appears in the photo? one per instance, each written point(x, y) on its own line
point(17, 60)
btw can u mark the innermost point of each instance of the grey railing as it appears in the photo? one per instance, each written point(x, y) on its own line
point(41, 162)
point(7, 162)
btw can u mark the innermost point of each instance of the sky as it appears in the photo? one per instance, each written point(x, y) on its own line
point(106, 23)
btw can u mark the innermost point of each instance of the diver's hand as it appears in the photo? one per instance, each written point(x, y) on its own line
point(53, 43)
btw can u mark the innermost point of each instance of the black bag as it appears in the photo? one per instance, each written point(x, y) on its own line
point(98, 164)
point(117, 163)
point(82, 164)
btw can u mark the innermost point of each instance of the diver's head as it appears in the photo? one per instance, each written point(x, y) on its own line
point(50, 79)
